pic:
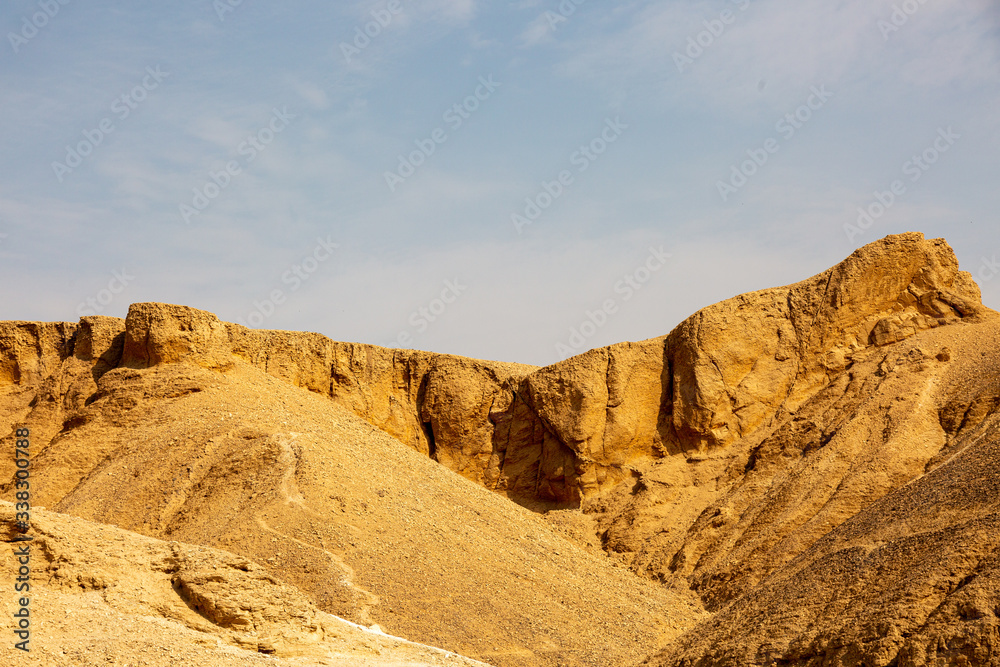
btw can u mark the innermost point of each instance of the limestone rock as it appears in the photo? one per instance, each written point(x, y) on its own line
point(732, 368)
point(738, 362)
point(32, 351)
point(164, 334)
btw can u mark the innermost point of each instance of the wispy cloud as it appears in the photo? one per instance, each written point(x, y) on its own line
point(790, 46)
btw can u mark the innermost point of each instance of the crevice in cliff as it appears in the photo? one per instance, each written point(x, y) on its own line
point(431, 445)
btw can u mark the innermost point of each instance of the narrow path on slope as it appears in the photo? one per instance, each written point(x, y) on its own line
point(291, 495)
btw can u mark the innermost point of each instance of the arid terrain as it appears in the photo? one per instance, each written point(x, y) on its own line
point(805, 475)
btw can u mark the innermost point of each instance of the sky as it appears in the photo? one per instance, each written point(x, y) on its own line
point(518, 181)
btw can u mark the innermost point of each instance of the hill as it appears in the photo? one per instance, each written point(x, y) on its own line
point(156, 426)
point(107, 596)
point(804, 475)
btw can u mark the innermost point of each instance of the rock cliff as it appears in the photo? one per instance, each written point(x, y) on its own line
point(576, 429)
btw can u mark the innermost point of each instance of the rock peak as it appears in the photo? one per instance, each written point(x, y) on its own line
point(158, 333)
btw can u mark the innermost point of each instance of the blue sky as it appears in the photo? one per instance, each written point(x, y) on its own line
point(482, 178)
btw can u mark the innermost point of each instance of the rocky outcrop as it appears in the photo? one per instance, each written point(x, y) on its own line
point(909, 578)
point(732, 368)
point(739, 362)
point(157, 333)
point(585, 422)
point(849, 423)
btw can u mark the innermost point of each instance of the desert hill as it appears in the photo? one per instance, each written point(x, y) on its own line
point(178, 438)
point(108, 596)
point(800, 475)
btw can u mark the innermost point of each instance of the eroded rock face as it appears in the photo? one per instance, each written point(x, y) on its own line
point(100, 340)
point(849, 422)
point(576, 429)
point(157, 333)
point(32, 351)
point(606, 409)
point(736, 366)
point(736, 363)
point(440, 405)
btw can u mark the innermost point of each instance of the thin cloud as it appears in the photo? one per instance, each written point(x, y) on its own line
point(793, 46)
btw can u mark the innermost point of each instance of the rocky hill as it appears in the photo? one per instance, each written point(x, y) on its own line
point(803, 475)
point(158, 425)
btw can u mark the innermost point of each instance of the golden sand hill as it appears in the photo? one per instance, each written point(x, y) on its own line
point(804, 475)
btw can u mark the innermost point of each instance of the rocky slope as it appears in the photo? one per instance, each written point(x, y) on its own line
point(101, 595)
point(913, 577)
point(837, 419)
point(812, 463)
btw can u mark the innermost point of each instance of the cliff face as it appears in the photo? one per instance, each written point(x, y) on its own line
point(741, 362)
point(440, 405)
point(576, 429)
point(732, 367)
